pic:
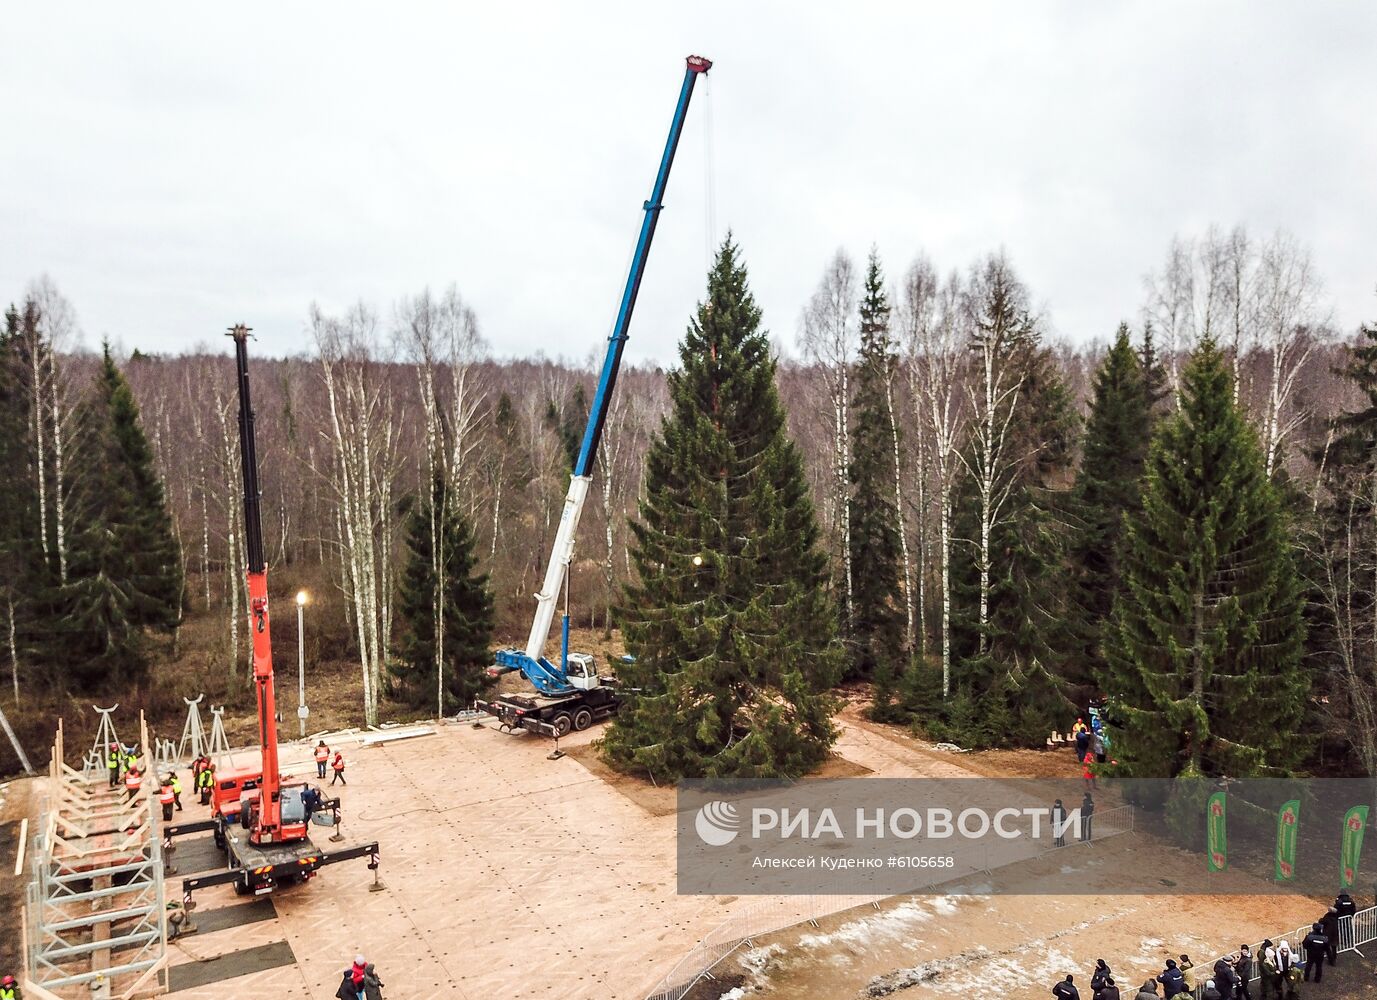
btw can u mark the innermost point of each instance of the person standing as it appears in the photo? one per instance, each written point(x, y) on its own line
point(1058, 818)
point(9, 989)
point(1344, 905)
point(1082, 744)
point(1107, 991)
point(1148, 991)
point(322, 754)
point(112, 764)
point(1173, 983)
point(165, 797)
point(1315, 946)
point(1211, 991)
point(372, 985)
point(1286, 967)
point(1087, 816)
point(338, 765)
point(1243, 969)
point(1066, 989)
point(1097, 746)
point(1271, 973)
point(1187, 976)
point(133, 781)
point(1100, 974)
point(1225, 977)
point(205, 783)
point(176, 784)
point(1329, 927)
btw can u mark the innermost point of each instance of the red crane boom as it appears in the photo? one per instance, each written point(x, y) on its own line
point(267, 827)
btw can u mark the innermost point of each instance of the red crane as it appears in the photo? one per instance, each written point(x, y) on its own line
point(267, 827)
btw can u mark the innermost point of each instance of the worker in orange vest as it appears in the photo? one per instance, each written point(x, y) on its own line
point(133, 779)
point(167, 799)
point(338, 765)
point(322, 755)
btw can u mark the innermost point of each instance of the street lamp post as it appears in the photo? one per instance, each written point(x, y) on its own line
point(301, 710)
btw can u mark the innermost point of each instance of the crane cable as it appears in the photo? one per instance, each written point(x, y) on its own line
point(709, 175)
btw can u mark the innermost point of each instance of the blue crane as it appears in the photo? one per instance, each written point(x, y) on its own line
point(574, 674)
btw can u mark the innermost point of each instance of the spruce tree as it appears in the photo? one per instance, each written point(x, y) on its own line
point(734, 633)
point(1155, 385)
point(22, 578)
point(1106, 490)
point(458, 591)
point(125, 571)
point(1204, 650)
point(877, 626)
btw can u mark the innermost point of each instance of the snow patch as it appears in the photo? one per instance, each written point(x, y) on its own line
point(735, 993)
point(757, 962)
point(895, 922)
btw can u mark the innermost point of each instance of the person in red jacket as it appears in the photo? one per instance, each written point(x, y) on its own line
point(338, 765)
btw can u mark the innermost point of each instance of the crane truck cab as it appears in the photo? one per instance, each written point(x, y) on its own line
point(582, 672)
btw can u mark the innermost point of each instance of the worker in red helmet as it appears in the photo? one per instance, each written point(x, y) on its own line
point(338, 765)
point(9, 989)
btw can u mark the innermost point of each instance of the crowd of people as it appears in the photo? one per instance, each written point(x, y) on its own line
point(1278, 968)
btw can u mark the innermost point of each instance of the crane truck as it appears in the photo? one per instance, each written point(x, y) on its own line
point(571, 694)
point(261, 822)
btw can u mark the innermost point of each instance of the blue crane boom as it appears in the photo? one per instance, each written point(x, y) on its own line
point(549, 678)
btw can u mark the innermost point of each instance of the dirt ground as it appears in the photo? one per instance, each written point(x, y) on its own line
point(509, 875)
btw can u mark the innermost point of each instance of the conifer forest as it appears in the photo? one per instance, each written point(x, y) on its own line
point(911, 485)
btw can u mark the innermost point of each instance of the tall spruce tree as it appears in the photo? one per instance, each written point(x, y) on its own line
point(1107, 489)
point(731, 623)
point(22, 578)
point(125, 572)
point(440, 583)
point(1204, 652)
point(877, 624)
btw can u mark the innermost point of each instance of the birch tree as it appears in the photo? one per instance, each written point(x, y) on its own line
point(361, 432)
point(1288, 313)
point(932, 337)
point(828, 337)
point(439, 334)
point(996, 309)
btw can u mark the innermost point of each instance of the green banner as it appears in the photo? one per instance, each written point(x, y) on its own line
point(1355, 823)
point(1216, 843)
point(1288, 824)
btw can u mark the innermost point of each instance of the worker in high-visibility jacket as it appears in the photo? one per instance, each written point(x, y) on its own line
point(338, 765)
point(131, 758)
point(176, 784)
point(322, 756)
point(133, 780)
point(166, 798)
point(112, 764)
point(205, 782)
point(9, 989)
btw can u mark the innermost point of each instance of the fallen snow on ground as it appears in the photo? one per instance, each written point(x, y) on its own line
point(758, 963)
point(736, 993)
point(1036, 961)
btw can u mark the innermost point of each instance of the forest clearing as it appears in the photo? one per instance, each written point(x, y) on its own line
point(954, 573)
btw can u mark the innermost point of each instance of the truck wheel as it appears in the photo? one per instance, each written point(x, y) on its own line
point(583, 719)
point(219, 839)
point(562, 723)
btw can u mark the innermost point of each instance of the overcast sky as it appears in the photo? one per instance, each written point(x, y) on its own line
point(176, 168)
